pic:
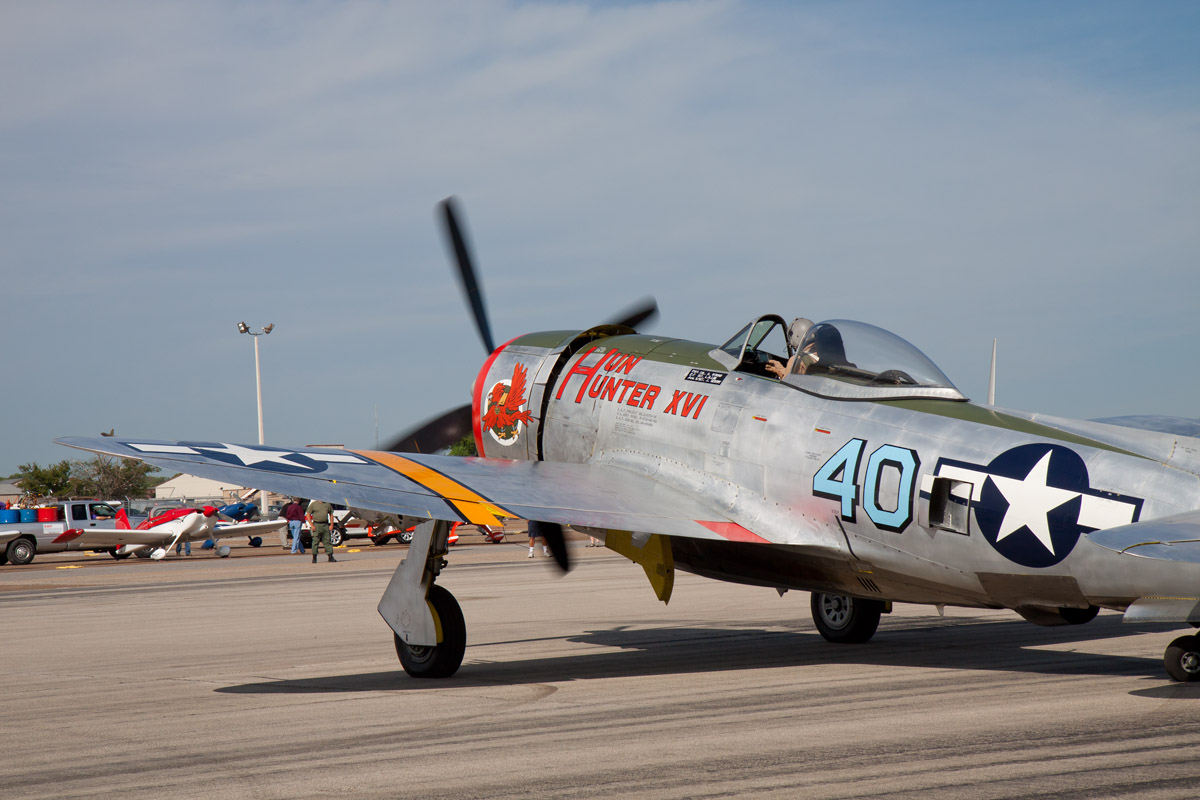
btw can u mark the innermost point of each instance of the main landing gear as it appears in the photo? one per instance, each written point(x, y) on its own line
point(427, 623)
point(443, 659)
point(1182, 659)
point(844, 619)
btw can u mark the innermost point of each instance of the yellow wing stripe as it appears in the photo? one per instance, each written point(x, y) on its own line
point(476, 509)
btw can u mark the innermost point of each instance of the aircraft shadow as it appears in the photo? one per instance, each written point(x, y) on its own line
point(940, 644)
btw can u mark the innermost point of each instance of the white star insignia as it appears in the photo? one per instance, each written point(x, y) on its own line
point(1030, 500)
point(249, 456)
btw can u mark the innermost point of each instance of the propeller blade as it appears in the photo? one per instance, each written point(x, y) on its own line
point(434, 434)
point(466, 271)
point(644, 310)
point(552, 535)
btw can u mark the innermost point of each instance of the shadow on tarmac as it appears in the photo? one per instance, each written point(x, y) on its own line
point(953, 643)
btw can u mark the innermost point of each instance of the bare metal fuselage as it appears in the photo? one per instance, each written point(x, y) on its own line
point(836, 495)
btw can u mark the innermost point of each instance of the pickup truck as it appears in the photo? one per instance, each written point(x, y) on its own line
point(21, 541)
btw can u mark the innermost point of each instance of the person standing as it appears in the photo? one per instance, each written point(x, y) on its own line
point(293, 512)
point(319, 513)
point(533, 537)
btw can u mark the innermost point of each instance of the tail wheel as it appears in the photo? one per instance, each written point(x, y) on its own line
point(1182, 659)
point(844, 619)
point(443, 659)
point(20, 551)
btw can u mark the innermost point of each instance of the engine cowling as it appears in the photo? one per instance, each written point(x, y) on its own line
point(506, 402)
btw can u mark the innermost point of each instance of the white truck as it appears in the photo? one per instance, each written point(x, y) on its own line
point(21, 541)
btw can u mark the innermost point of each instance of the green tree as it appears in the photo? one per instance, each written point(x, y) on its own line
point(464, 447)
point(50, 481)
point(107, 477)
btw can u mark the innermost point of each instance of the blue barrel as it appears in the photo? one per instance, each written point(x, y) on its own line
point(28, 515)
point(9, 516)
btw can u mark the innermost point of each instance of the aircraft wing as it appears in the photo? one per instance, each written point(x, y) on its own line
point(112, 537)
point(1174, 538)
point(1174, 544)
point(249, 528)
point(481, 491)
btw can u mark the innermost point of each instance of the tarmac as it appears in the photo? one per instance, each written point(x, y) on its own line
point(267, 676)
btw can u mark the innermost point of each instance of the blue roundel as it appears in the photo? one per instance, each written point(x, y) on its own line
point(1029, 505)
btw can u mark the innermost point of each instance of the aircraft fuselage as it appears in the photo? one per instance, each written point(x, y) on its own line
point(921, 500)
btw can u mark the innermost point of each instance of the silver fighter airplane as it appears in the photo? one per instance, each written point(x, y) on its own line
point(861, 475)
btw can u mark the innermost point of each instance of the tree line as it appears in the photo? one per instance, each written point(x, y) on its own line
point(103, 477)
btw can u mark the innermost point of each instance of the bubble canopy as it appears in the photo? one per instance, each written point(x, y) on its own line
point(838, 358)
point(869, 361)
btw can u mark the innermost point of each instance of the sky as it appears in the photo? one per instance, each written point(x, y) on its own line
point(951, 171)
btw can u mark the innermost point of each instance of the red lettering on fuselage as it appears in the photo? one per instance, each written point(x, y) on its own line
point(635, 397)
point(671, 409)
point(626, 390)
point(578, 369)
point(692, 403)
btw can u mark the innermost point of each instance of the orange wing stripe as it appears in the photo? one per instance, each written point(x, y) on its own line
point(476, 509)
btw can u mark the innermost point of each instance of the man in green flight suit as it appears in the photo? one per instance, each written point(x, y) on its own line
point(320, 512)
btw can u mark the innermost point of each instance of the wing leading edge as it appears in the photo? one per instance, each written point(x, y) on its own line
point(481, 491)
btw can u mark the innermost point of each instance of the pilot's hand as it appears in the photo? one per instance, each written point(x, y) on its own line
point(775, 368)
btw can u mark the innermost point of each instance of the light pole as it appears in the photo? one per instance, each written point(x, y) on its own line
point(243, 328)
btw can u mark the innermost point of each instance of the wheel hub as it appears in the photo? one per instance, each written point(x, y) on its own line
point(1191, 662)
point(836, 610)
point(419, 653)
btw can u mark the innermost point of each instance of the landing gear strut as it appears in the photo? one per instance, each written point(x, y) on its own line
point(1182, 659)
point(427, 623)
point(844, 619)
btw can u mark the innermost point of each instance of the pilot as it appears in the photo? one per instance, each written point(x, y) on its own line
point(823, 349)
point(795, 335)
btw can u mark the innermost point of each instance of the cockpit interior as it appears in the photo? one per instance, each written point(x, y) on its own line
point(836, 358)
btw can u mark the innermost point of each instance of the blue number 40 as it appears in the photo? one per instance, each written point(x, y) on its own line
point(837, 479)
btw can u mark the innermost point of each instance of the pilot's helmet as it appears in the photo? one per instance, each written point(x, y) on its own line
point(825, 340)
point(796, 331)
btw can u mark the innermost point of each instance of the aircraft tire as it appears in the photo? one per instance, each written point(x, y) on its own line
point(20, 551)
point(256, 541)
point(119, 556)
point(1182, 659)
point(444, 659)
point(844, 619)
point(143, 553)
point(381, 540)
